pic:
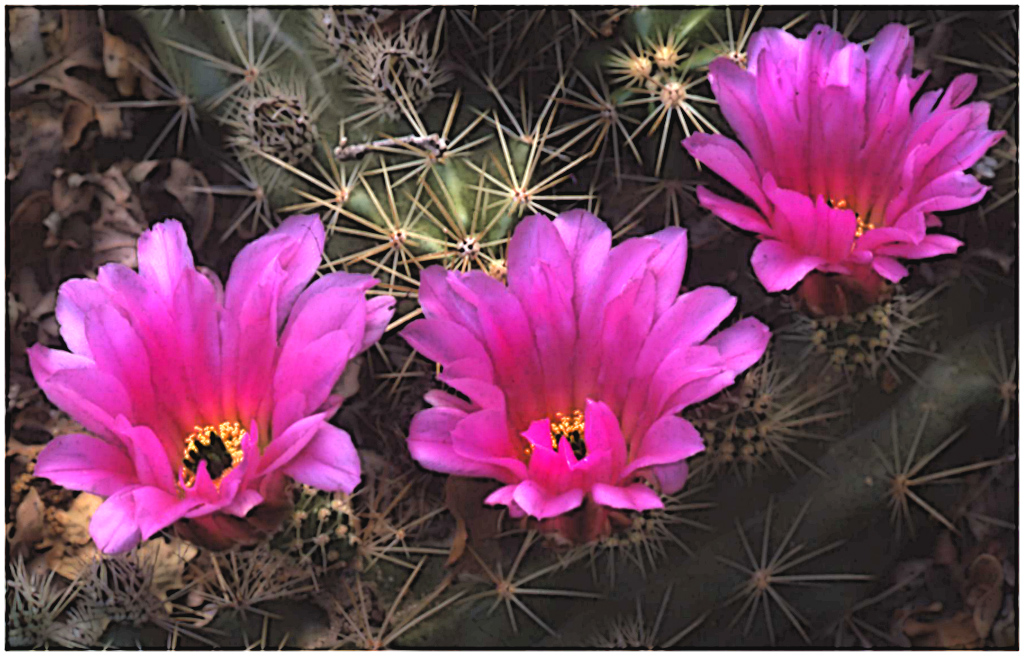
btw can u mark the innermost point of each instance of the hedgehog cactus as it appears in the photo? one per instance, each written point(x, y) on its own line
point(430, 136)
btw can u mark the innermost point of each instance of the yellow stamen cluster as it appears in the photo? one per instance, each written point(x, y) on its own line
point(220, 446)
point(863, 225)
point(570, 427)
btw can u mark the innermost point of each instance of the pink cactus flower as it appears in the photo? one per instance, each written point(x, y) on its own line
point(844, 172)
point(202, 401)
point(569, 379)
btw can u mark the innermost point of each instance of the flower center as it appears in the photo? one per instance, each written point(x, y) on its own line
point(219, 446)
point(571, 428)
point(863, 225)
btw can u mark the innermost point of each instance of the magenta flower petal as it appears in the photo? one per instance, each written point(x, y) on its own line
point(588, 242)
point(505, 332)
point(671, 478)
point(742, 216)
point(284, 259)
point(540, 503)
point(653, 393)
point(165, 361)
point(670, 440)
point(699, 390)
point(327, 328)
point(930, 246)
point(742, 344)
point(75, 385)
point(627, 322)
point(632, 497)
point(572, 373)
point(164, 257)
point(889, 268)
point(606, 454)
point(543, 283)
point(737, 97)
point(832, 150)
point(728, 159)
point(690, 320)
point(155, 509)
point(441, 399)
point(328, 461)
point(243, 502)
point(86, 463)
point(668, 265)
point(118, 350)
point(185, 364)
point(77, 297)
point(149, 455)
point(430, 444)
point(482, 437)
point(379, 311)
point(289, 443)
point(780, 267)
point(503, 496)
point(892, 51)
point(113, 527)
point(447, 341)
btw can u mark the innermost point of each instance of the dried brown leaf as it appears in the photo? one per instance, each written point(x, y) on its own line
point(28, 521)
point(168, 561)
point(139, 172)
point(57, 76)
point(348, 385)
point(77, 116)
point(956, 632)
point(476, 524)
point(70, 193)
point(31, 309)
point(183, 183)
point(71, 546)
point(74, 521)
point(1004, 631)
point(122, 62)
point(121, 221)
point(27, 451)
point(25, 40)
point(984, 592)
point(28, 230)
point(34, 142)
